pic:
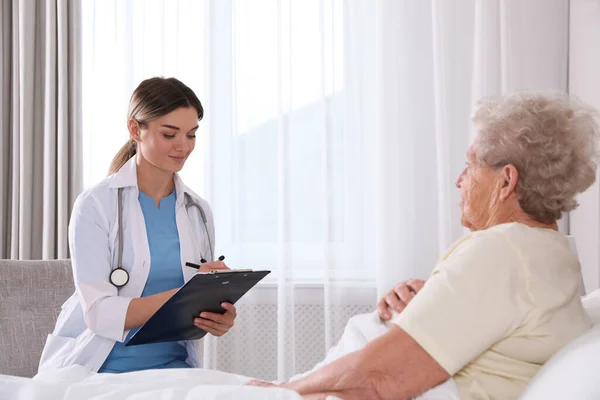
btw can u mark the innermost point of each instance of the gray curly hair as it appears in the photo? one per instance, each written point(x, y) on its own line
point(550, 138)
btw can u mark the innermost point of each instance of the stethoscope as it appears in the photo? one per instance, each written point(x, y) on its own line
point(119, 276)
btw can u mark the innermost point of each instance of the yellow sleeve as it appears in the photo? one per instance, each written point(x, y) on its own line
point(472, 301)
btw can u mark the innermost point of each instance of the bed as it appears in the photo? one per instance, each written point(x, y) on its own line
point(37, 289)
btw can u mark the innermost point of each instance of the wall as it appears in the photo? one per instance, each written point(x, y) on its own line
point(584, 81)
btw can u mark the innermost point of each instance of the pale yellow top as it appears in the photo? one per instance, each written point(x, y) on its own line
point(497, 306)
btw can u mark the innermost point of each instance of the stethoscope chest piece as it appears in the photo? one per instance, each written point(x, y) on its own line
point(119, 277)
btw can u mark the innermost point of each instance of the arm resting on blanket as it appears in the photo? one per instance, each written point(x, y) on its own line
point(393, 366)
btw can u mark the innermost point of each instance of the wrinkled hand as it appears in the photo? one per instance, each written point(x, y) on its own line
point(256, 382)
point(397, 298)
point(343, 396)
point(217, 324)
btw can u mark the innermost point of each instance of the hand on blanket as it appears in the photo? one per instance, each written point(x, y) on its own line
point(217, 324)
point(256, 382)
point(397, 298)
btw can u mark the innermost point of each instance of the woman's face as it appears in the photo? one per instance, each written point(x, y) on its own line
point(166, 142)
point(479, 193)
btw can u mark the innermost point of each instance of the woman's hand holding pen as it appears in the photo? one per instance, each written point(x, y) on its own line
point(213, 266)
point(206, 266)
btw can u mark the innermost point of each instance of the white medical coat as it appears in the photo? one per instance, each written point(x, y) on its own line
point(93, 318)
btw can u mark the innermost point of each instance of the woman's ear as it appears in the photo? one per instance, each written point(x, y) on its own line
point(134, 129)
point(511, 177)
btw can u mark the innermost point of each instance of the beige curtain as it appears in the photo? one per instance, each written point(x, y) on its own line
point(40, 117)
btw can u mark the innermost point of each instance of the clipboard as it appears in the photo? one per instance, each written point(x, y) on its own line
point(203, 292)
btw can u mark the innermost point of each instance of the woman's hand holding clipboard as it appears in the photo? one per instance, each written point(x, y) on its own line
point(217, 324)
point(214, 323)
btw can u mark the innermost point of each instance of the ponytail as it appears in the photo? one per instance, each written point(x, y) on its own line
point(125, 153)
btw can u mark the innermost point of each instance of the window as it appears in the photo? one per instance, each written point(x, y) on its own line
point(277, 155)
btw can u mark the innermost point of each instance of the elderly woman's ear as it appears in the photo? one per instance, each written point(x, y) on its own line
point(511, 177)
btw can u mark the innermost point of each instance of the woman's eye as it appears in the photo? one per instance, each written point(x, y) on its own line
point(168, 136)
point(191, 136)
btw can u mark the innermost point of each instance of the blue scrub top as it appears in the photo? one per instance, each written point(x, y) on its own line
point(165, 274)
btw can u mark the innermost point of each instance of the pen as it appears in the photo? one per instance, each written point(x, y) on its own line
point(202, 261)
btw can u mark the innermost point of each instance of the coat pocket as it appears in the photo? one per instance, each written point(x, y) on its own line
point(56, 351)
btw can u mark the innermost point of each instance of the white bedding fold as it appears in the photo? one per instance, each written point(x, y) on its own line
point(75, 382)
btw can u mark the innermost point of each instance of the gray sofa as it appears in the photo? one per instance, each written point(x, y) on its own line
point(31, 294)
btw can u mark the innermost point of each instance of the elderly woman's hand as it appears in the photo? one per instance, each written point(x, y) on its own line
point(397, 298)
point(217, 324)
point(258, 382)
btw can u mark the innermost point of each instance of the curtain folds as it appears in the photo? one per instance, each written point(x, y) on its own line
point(40, 113)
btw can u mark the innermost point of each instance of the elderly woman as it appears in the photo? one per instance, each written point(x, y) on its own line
point(504, 298)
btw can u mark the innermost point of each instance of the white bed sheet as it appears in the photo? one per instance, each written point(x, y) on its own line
point(75, 383)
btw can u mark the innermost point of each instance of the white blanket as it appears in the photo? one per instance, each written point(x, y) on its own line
point(360, 330)
point(74, 383)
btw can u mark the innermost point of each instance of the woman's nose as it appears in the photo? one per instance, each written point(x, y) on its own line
point(182, 145)
point(459, 179)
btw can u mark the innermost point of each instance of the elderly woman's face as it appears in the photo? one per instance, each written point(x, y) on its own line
point(479, 195)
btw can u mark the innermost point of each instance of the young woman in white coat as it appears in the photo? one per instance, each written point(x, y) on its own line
point(163, 225)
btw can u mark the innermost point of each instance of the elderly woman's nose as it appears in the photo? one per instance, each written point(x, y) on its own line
point(460, 178)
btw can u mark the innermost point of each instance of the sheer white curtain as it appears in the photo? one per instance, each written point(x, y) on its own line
point(584, 81)
point(334, 132)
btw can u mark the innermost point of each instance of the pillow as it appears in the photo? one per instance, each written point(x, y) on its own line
point(591, 303)
point(572, 373)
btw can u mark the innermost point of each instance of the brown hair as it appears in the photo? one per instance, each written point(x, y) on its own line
point(152, 99)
